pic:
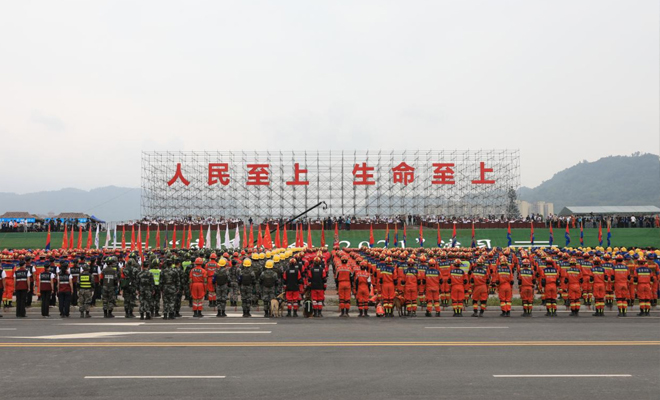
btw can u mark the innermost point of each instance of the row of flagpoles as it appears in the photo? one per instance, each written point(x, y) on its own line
point(277, 240)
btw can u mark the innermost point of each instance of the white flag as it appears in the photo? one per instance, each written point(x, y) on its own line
point(107, 236)
point(237, 239)
point(114, 239)
point(96, 238)
point(207, 243)
point(227, 241)
point(218, 238)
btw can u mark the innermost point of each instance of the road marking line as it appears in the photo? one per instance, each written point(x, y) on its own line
point(331, 344)
point(165, 323)
point(565, 376)
point(7, 329)
point(466, 327)
point(157, 377)
point(228, 327)
point(101, 335)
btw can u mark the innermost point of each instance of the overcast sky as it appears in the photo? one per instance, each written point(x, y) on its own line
point(86, 86)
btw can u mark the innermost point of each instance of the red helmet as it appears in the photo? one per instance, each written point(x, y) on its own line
point(213, 256)
point(199, 261)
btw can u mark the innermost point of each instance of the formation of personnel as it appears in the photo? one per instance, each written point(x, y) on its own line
point(413, 279)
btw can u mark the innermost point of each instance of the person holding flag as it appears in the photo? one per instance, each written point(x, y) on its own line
point(581, 234)
point(421, 235)
point(48, 239)
point(439, 240)
point(453, 236)
point(474, 243)
point(609, 234)
point(551, 239)
point(508, 234)
point(531, 234)
point(567, 235)
point(371, 235)
point(600, 233)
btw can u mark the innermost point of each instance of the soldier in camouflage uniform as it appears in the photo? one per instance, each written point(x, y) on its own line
point(246, 281)
point(129, 287)
point(269, 281)
point(257, 267)
point(85, 291)
point(187, 265)
point(170, 284)
point(221, 280)
point(233, 282)
point(177, 298)
point(109, 281)
point(155, 271)
point(146, 288)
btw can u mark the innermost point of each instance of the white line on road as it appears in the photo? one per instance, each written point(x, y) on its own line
point(565, 376)
point(158, 377)
point(165, 323)
point(466, 327)
point(97, 335)
point(7, 329)
point(228, 327)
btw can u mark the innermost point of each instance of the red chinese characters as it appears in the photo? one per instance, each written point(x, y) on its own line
point(296, 180)
point(178, 175)
point(443, 174)
point(483, 180)
point(258, 175)
point(361, 175)
point(403, 173)
point(218, 172)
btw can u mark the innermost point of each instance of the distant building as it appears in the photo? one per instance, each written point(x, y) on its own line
point(540, 207)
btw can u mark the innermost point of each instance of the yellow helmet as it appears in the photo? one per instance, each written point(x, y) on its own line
point(624, 249)
point(269, 264)
point(255, 256)
point(275, 259)
point(268, 255)
point(247, 262)
point(222, 262)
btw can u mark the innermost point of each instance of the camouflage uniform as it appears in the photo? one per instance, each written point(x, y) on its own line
point(85, 294)
point(257, 268)
point(246, 280)
point(170, 283)
point(182, 283)
point(233, 283)
point(109, 291)
point(186, 266)
point(155, 271)
point(269, 282)
point(129, 286)
point(221, 279)
point(146, 289)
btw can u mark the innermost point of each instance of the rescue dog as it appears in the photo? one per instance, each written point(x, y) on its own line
point(277, 306)
point(398, 304)
point(307, 303)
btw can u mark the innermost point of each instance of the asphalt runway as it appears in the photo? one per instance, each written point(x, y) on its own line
point(332, 358)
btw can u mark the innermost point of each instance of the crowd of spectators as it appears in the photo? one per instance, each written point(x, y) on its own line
point(56, 225)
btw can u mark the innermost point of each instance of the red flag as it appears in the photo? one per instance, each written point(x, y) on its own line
point(146, 241)
point(309, 235)
point(600, 233)
point(277, 236)
point(387, 235)
point(48, 238)
point(260, 240)
point(189, 236)
point(421, 235)
point(200, 243)
point(267, 242)
point(140, 241)
point(439, 237)
point(371, 235)
point(123, 237)
point(251, 244)
point(322, 234)
point(89, 237)
point(297, 235)
point(336, 234)
point(173, 237)
point(245, 237)
point(65, 238)
point(474, 243)
point(72, 240)
point(285, 240)
point(132, 237)
point(158, 237)
point(80, 233)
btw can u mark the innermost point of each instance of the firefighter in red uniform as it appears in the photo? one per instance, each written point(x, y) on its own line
point(458, 280)
point(526, 282)
point(503, 279)
point(574, 280)
point(344, 283)
point(292, 280)
point(198, 281)
point(621, 277)
point(599, 280)
point(211, 267)
point(362, 288)
point(480, 279)
point(549, 280)
point(644, 280)
point(432, 288)
point(410, 291)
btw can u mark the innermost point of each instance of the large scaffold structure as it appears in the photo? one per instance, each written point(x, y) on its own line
point(331, 177)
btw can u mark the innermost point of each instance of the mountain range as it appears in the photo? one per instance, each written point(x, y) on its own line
point(613, 181)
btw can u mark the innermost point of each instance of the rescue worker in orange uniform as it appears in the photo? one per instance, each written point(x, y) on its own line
point(599, 280)
point(503, 279)
point(198, 281)
point(480, 279)
point(410, 291)
point(654, 265)
point(458, 280)
point(388, 282)
point(8, 282)
point(444, 265)
point(587, 290)
point(644, 280)
point(362, 288)
point(432, 288)
point(563, 266)
point(211, 267)
point(422, 267)
point(609, 283)
point(574, 279)
point(344, 283)
point(549, 280)
point(526, 282)
point(622, 277)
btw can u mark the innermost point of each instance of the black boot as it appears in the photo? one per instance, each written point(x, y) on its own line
point(148, 316)
point(342, 313)
point(315, 313)
point(87, 314)
point(142, 316)
point(166, 316)
point(224, 314)
point(126, 312)
point(503, 314)
point(82, 314)
point(199, 314)
point(437, 313)
point(288, 313)
point(295, 313)
point(110, 314)
point(219, 314)
point(320, 314)
point(641, 314)
point(130, 313)
point(172, 316)
point(177, 314)
point(366, 313)
point(105, 313)
point(481, 313)
point(360, 316)
point(248, 313)
point(475, 313)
